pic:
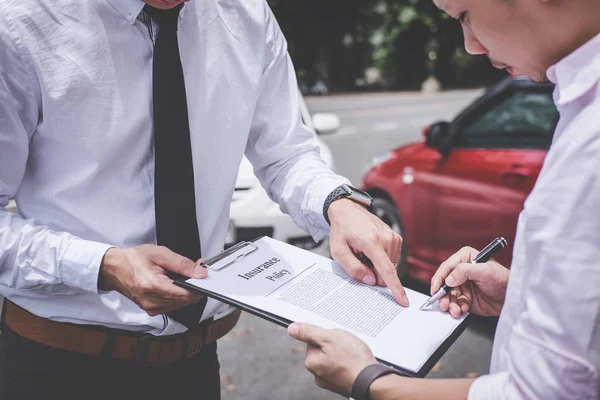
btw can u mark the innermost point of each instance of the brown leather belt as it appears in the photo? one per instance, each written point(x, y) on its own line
point(142, 349)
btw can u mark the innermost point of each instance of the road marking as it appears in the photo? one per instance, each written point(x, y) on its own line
point(347, 130)
point(394, 109)
point(386, 126)
point(378, 127)
point(421, 122)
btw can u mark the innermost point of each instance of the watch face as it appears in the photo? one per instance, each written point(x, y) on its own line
point(359, 195)
point(353, 190)
point(363, 193)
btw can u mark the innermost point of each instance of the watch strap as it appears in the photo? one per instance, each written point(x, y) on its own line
point(360, 388)
point(333, 196)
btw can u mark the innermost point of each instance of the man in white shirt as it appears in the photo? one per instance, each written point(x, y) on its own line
point(547, 343)
point(122, 127)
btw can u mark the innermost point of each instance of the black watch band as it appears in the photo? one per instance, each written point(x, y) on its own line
point(350, 192)
point(360, 388)
point(333, 196)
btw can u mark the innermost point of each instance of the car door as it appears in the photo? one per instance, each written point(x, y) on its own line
point(497, 153)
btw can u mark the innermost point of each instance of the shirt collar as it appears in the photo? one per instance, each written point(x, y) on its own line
point(129, 9)
point(575, 74)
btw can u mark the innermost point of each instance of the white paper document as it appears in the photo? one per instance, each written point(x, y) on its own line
point(301, 286)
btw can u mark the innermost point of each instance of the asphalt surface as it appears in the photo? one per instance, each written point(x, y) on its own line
point(258, 360)
point(373, 124)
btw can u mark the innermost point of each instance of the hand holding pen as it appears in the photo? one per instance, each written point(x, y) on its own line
point(470, 281)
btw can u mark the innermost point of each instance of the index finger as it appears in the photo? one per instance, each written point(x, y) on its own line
point(309, 334)
point(462, 256)
point(388, 272)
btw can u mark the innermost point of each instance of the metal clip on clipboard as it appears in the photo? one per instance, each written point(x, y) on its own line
point(229, 256)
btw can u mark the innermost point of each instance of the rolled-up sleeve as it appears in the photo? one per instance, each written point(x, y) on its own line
point(553, 351)
point(285, 156)
point(32, 256)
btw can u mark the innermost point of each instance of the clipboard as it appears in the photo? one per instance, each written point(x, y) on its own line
point(242, 249)
point(223, 260)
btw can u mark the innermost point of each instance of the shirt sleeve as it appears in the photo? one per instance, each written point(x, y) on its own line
point(553, 351)
point(32, 257)
point(283, 151)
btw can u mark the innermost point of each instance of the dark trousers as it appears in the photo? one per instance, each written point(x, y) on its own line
point(29, 370)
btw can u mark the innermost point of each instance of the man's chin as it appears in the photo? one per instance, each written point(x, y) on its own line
point(537, 78)
point(540, 78)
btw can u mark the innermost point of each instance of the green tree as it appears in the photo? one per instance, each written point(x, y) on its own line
point(419, 40)
point(328, 39)
point(407, 40)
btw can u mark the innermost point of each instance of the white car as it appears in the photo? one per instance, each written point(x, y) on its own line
point(253, 214)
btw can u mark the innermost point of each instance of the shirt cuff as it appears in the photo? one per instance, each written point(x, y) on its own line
point(315, 200)
point(80, 265)
point(488, 387)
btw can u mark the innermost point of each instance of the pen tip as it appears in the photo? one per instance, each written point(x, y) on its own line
point(424, 306)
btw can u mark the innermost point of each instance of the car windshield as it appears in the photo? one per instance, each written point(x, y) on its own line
point(524, 119)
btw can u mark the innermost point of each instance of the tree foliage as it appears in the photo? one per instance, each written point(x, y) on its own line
point(405, 40)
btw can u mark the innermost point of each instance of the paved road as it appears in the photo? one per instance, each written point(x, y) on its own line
point(372, 124)
point(258, 360)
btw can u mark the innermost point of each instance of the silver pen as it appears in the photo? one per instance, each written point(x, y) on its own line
point(483, 256)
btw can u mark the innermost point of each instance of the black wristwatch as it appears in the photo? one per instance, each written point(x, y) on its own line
point(360, 388)
point(348, 192)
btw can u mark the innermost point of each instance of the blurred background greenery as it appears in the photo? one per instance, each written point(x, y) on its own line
point(367, 45)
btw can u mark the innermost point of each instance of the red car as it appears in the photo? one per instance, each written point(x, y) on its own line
point(466, 182)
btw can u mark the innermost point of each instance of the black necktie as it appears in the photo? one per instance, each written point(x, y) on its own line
point(174, 198)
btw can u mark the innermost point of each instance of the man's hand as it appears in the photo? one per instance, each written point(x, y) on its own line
point(478, 288)
point(334, 357)
point(355, 232)
point(140, 273)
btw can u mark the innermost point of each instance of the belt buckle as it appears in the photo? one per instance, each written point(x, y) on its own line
point(141, 350)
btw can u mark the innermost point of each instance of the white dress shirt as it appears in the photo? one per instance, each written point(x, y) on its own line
point(76, 142)
point(547, 343)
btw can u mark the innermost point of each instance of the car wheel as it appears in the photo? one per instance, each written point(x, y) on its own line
point(386, 211)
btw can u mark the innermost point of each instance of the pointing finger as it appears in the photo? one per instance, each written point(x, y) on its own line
point(387, 270)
